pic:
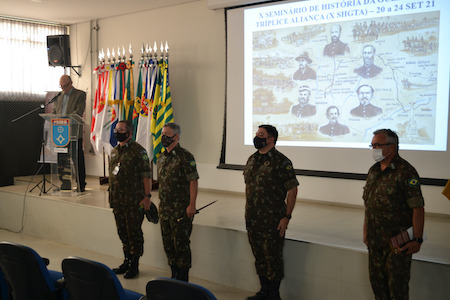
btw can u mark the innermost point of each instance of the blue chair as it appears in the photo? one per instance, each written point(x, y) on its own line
point(4, 289)
point(27, 275)
point(161, 288)
point(90, 280)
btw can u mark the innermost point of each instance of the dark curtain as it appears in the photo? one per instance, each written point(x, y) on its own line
point(21, 140)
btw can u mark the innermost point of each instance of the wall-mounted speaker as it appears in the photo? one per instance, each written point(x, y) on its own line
point(58, 50)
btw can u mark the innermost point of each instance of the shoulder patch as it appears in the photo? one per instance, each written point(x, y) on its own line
point(192, 163)
point(144, 156)
point(289, 167)
point(413, 181)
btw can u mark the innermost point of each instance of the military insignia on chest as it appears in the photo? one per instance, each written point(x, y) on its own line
point(266, 163)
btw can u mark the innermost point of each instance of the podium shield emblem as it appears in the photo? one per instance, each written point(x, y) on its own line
point(61, 132)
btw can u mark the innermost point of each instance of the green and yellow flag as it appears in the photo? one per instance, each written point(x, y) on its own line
point(162, 108)
point(128, 97)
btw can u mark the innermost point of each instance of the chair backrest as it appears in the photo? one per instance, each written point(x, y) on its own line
point(4, 289)
point(161, 288)
point(86, 279)
point(26, 273)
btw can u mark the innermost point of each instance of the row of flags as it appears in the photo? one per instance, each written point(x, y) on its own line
point(149, 108)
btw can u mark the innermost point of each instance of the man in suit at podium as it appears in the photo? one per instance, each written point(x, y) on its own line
point(72, 101)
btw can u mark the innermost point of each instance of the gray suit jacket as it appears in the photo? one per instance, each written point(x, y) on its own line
point(76, 105)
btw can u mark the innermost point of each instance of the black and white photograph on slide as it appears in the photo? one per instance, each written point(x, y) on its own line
point(377, 62)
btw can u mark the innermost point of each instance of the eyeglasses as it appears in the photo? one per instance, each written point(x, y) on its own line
point(376, 145)
point(119, 130)
point(63, 86)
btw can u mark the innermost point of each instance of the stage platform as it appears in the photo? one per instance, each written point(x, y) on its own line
point(325, 257)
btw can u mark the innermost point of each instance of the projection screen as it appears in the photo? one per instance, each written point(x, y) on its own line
point(328, 73)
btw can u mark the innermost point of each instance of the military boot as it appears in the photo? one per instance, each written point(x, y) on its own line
point(183, 274)
point(263, 294)
point(133, 269)
point(274, 290)
point(124, 266)
point(175, 271)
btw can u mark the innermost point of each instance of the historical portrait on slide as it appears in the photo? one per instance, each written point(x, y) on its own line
point(336, 47)
point(303, 108)
point(368, 69)
point(304, 71)
point(333, 128)
point(365, 108)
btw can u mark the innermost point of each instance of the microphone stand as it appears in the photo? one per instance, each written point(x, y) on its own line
point(44, 180)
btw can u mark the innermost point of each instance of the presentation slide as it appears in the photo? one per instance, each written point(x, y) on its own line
point(329, 73)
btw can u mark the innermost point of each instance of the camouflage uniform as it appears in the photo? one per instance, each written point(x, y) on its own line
point(126, 190)
point(176, 169)
point(389, 197)
point(268, 177)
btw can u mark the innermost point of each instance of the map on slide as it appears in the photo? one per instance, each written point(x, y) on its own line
point(340, 81)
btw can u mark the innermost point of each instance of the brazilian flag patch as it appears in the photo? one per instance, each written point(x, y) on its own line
point(289, 167)
point(145, 156)
point(413, 181)
point(192, 163)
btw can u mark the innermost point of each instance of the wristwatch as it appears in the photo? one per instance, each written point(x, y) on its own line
point(148, 195)
point(288, 216)
point(419, 240)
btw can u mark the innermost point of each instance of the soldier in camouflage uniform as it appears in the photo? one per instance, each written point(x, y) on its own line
point(393, 202)
point(269, 176)
point(178, 186)
point(129, 195)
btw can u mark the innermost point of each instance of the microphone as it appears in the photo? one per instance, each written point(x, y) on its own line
point(54, 98)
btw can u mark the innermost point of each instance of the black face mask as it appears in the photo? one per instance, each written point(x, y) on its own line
point(259, 142)
point(121, 136)
point(166, 140)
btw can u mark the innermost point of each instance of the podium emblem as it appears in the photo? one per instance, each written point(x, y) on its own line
point(61, 132)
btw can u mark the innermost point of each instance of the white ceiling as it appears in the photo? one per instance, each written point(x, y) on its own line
point(76, 11)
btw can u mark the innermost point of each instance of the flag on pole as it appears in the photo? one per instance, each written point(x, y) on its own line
point(117, 103)
point(162, 108)
point(143, 132)
point(128, 97)
point(99, 101)
point(137, 102)
point(105, 119)
point(120, 88)
point(94, 134)
point(102, 109)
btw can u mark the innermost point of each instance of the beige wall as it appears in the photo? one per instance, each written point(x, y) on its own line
point(196, 37)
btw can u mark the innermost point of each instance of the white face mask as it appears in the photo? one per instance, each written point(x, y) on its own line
point(377, 155)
